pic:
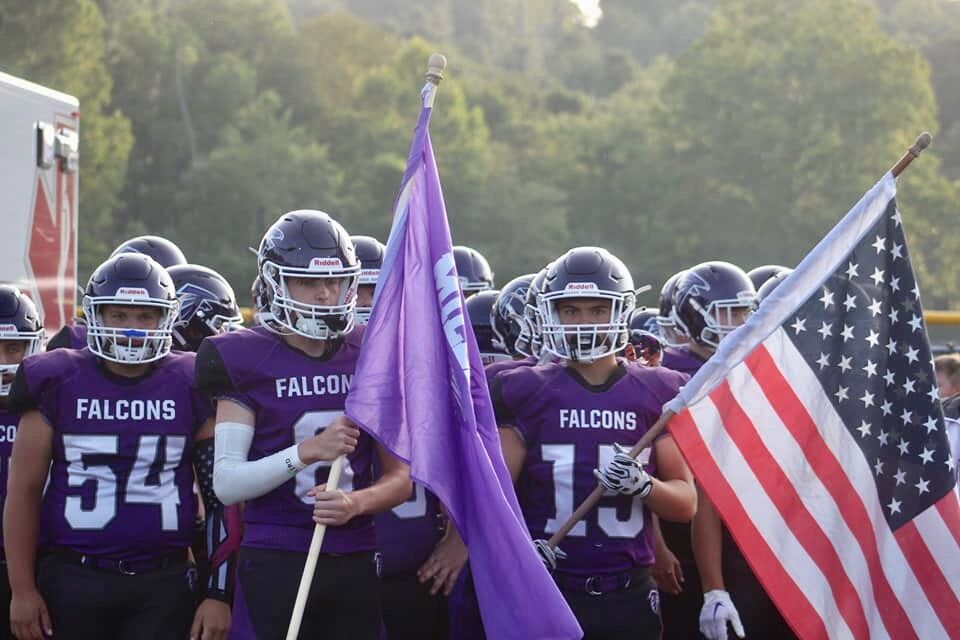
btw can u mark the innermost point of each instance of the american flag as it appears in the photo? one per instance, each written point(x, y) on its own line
point(817, 432)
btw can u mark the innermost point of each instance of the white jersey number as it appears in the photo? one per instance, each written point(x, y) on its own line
point(563, 457)
point(310, 424)
point(145, 485)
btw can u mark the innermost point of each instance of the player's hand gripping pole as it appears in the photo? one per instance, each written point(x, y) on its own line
point(597, 493)
point(310, 566)
point(435, 68)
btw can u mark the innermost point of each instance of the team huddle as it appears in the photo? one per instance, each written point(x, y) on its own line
point(164, 467)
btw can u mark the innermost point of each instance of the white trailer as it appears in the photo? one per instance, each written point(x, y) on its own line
point(39, 193)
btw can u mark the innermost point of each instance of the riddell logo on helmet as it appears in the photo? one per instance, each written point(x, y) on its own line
point(325, 263)
point(132, 292)
point(8, 328)
point(370, 272)
point(581, 286)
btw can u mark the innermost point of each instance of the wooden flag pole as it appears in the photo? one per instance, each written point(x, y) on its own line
point(435, 67)
point(923, 141)
point(313, 554)
point(645, 441)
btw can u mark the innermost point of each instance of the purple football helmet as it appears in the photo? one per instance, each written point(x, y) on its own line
point(19, 321)
point(166, 253)
point(370, 252)
point(712, 299)
point(506, 317)
point(473, 269)
point(586, 273)
point(308, 244)
point(132, 279)
point(208, 306)
point(480, 309)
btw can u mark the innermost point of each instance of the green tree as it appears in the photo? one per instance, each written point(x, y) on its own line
point(780, 117)
point(61, 45)
point(184, 71)
point(263, 167)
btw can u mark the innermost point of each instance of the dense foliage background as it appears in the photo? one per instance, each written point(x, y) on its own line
point(670, 132)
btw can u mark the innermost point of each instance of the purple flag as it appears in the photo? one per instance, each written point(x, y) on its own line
point(419, 389)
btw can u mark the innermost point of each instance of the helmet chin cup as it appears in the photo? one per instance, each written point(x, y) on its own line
point(129, 354)
point(7, 371)
point(312, 328)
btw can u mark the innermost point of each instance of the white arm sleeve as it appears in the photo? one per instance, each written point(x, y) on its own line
point(235, 478)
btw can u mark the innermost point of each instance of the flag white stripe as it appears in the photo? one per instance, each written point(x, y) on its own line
point(778, 536)
point(942, 545)
point(790, 458)
point(808, 389)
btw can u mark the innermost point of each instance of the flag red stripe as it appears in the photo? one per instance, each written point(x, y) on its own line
point(779, 488)
point(802, 615)
point(932, 580)
point(949, 508)
point(831, 473)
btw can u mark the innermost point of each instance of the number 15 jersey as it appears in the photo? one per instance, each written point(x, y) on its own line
point(569, 427)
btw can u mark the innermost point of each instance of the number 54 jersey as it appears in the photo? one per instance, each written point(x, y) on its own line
point(121, 474)
point(569, 427)
point(293, 397)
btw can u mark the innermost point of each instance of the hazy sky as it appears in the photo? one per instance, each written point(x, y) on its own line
point(590, 9)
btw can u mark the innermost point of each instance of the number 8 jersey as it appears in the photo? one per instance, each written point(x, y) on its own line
point(569, 427)
point(121, 474)
point(292, 396)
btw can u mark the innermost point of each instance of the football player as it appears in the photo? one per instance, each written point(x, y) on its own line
point(480, 310)
point(711, 300)
point(759, 275)
point(559, 422)
point(109, 440)
point(506, 316)
point(644, 344)
point(667, 327)
point(166, 253)
point(280, 391)
point(774, 281)
point(21, 335)
point(473, 269)
point(370, 253)
point(208, 306)
point(530, 340)
point(160, 249)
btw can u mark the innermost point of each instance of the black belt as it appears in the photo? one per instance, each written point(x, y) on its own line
point(123, 567)
point(601, 584)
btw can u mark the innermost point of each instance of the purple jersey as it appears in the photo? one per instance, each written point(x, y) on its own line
point(681, 359)
point(8, 431)
point(407, 534)
point(121, 474)
point(293, 396)
point(569, 427)
point(677, 534)
point(491, 370)
point(71, 336)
